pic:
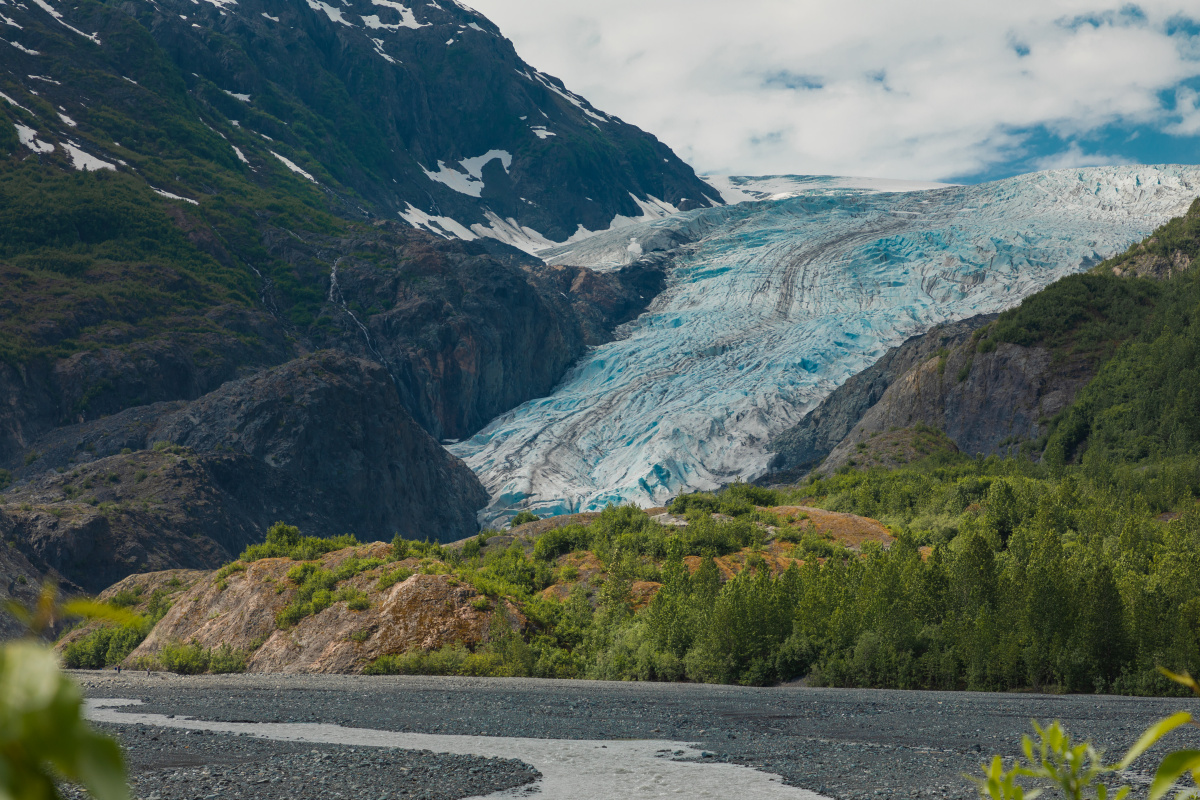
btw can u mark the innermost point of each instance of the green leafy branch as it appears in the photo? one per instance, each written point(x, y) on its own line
point(1055, 762)
point(43, 734)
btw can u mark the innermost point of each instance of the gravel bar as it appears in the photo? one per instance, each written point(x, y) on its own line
point(843, 743)
point(167, 764)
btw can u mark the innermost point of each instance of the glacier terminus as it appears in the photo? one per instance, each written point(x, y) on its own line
point(771, 304)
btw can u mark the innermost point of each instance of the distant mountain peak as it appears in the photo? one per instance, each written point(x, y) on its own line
point(417, 112)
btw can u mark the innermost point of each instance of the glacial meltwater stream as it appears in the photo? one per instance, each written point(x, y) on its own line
point(572, 769)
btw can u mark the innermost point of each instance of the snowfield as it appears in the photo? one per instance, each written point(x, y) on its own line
point(773, 304)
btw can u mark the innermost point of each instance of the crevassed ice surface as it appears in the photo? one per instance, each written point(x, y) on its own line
point(771, 305)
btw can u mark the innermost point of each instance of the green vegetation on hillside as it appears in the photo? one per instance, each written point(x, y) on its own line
point(1071, 581)
point(98, 259)
point(1144, 404)
point(109, 644)
point(1086, 316)
point(1181, 234)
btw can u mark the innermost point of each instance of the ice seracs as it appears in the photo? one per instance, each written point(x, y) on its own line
point(770, 305)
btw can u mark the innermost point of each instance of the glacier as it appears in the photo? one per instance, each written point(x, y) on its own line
point(771, 304)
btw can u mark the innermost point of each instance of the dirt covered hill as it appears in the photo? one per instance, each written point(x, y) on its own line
point(320, 605)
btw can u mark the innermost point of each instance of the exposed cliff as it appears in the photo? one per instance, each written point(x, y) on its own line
point(321, 441)
point(984, 402)
point(806, 444)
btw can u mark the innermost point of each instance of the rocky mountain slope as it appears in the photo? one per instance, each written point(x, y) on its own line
point(423, 112)
point(772, 305)
point(808, 442)
point(268, 272)
point(1001, 385)
point(322, 441)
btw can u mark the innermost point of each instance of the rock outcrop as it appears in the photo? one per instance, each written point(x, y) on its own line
point(321, 442)
point(806, 444)
point(420, 612)
point(985, 402)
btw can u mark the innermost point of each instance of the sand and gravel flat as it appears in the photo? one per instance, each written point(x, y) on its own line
point(832, 742)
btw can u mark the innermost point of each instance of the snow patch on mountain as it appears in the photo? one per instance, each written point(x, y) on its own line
point(445, 227)
point(771, 305)
point(470, 182)
point(173, 196)
point(49, 9)
point(28, 137)
point(85, 162)
point(407, 18)
point(25, 49)
point(379, 51)
point(12, 102)
point(334, 14)
point(293, 166)
point(569, 96)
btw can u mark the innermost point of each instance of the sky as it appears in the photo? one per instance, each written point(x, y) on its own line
point(926, 89)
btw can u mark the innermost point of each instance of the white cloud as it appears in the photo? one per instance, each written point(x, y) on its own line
point(859, 86)
point(1074, 156)
point(1187, 108)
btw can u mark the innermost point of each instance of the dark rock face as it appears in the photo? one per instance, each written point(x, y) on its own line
point(321, 442)
point(806, 444)
point(335, 429)
point(1003, 398)
point(37, 397)
point(464, 335)
point(432, 336)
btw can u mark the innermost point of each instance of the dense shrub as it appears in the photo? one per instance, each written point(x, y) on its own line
point(523, 517)
point(193, 659)
point(184, 659)
point(103, 647)
point(285, 541)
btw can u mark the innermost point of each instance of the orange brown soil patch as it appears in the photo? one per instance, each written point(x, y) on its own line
point(848, 530)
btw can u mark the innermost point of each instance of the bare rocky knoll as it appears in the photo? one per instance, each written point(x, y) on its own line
point(378, 604)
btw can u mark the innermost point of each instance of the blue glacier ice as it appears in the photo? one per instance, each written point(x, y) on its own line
point(772, 304)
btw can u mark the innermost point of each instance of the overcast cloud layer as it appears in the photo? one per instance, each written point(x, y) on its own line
point(935, 90)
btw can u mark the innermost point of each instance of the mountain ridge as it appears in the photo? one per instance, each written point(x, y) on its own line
point(200, 202)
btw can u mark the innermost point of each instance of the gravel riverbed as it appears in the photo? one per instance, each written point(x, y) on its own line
point(166, 764)
point(844, 744)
